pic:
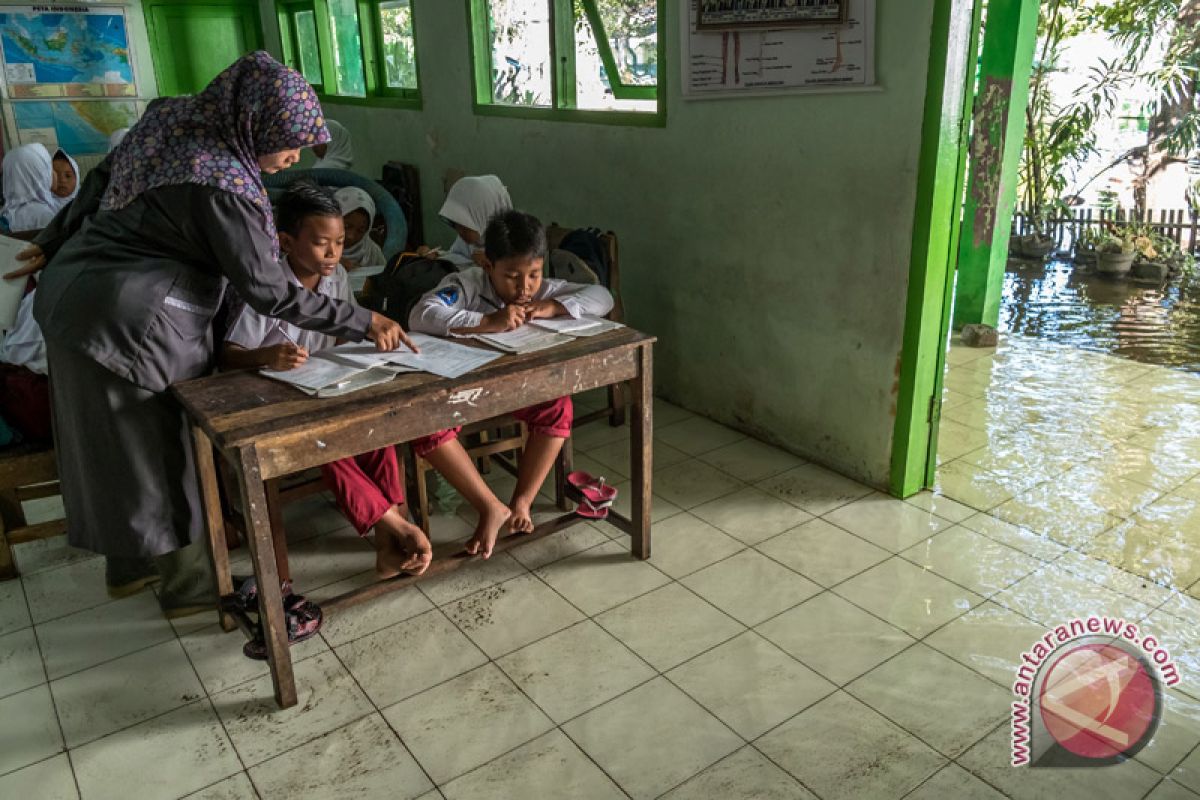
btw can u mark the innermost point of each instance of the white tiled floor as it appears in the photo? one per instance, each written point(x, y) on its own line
point(795, 635)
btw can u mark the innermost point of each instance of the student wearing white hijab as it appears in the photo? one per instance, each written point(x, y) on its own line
point(29, 201)
point(66, 178)
point(361, 256)
point(116, 137)
point(338, 152)
point(470, 205)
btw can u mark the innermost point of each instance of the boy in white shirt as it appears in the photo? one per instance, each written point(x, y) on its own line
point(369, 488)
point(502, 296)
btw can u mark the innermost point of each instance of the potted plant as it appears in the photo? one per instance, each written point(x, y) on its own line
point(1115, 252)
point(1085, 247)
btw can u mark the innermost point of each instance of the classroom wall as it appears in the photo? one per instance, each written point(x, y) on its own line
point(765, 241)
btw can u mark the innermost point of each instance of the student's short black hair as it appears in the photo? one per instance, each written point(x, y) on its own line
point(514, 234)
point(304, 199)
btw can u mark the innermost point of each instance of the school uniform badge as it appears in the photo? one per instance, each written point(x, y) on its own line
point(449, 295)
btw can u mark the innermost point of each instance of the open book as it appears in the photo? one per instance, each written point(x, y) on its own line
point(325, 376)
point(540, 334)
point(350, 367)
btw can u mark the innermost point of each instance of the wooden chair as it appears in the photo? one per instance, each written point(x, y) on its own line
point(27, 472)
point(614, 412)
point(494, 440)
point(280, 492)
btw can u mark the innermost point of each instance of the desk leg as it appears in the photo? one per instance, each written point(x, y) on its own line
point(214, 522)
point(270, 599)
point(563, 465)
point(641, 455)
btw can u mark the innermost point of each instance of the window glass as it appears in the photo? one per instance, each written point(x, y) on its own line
point(632, 28)
point(399, 52)
point(306, 46)
point(593, 89)
point(348, 76)
point(520, 34)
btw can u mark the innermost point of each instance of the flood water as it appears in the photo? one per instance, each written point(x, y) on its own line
point(1151, 324)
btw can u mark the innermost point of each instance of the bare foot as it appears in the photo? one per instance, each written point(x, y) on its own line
point(521, 520)
point(490, 522)
point(401, 546)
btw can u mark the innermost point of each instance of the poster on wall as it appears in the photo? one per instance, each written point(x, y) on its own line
point(72, 52)
point(730, 14)
point(741, 62)
point(68, 75)
point(76, 126)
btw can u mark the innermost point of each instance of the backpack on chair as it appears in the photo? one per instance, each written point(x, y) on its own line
point(588, 244)
point(404, 281)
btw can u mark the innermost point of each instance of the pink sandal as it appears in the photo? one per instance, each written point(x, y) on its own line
point(598, 496)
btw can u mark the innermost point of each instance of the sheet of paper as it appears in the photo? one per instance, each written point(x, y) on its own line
point(364, 354)
point(525, 339)
point(314, 374)
point(12, 291)
point(566, 324)
point(369, 377)
point(603, 326)
point(444, 358)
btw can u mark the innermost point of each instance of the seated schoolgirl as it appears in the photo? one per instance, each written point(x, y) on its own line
point(369, 487)
point(358, 215)
point(471, 202)
point(503, 295)
point(338, 152)
point(29, 201)
point(66, 178)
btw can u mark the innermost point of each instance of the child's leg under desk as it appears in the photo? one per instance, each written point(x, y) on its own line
point(450, 458)
point(549, 426)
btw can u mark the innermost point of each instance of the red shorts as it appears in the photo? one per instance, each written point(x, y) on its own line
point(552, 418)
point(366, 486)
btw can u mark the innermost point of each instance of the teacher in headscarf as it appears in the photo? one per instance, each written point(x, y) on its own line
point(138, 264)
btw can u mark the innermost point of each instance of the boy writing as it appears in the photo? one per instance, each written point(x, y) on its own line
point(368, 487)
point(502, 295)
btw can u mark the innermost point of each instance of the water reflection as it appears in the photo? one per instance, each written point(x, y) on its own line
point(1151, 324)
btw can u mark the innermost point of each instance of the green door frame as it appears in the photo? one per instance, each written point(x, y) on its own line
point(954, 42)
point(996, 143)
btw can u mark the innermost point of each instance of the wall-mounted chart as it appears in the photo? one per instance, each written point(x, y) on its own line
point(68, 75)
point(737, 63)
point(70, 53)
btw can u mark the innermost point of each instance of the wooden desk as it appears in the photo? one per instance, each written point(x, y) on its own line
point(266, 429)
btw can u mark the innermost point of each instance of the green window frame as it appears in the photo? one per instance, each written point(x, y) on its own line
point(564, 15)
point(291, 18)
point(373, 50)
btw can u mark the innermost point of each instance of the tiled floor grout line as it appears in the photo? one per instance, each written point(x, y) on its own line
point(253, 788)
point(208, 696)
point(62, 733)
point(493, 662)
point(382, 716)
point(1002, 725)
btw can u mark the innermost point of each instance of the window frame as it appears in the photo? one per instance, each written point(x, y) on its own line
point(562, 80)
point(378, 58)
point(370, 42)
point(289, 34)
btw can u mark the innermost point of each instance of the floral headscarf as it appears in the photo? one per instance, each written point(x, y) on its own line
point(257, 106)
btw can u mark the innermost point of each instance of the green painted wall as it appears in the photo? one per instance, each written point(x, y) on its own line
point(765, 241)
